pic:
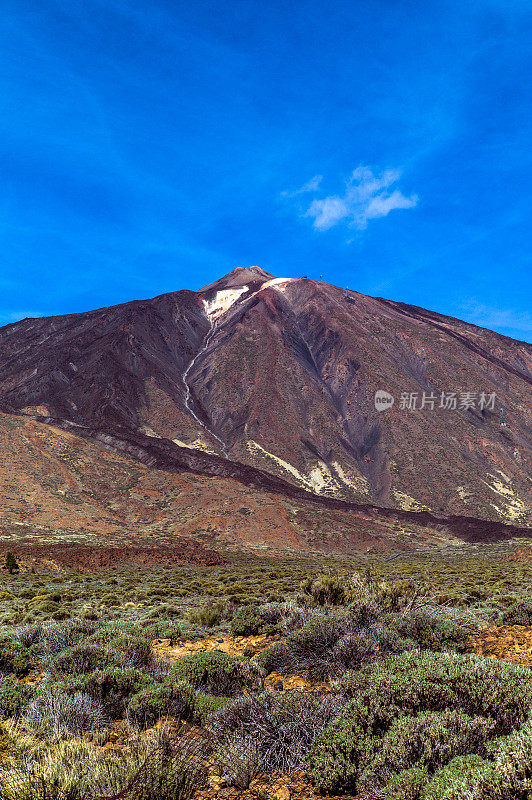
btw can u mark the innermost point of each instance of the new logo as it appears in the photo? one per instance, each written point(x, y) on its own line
point(383, 400)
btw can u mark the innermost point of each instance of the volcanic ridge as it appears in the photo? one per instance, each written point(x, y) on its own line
point(167, 417)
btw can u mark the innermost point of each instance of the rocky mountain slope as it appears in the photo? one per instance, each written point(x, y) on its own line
point(63, 493)
point(271, 382)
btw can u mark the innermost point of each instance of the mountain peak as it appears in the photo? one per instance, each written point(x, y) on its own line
point(252, 277)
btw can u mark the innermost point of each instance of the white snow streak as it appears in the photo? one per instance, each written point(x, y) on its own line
point(215, 309)
point(222, 302)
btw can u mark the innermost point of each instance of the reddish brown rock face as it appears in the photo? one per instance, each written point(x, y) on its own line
point(259, 379)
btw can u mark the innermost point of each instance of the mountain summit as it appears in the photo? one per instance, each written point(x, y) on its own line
point(281, 375)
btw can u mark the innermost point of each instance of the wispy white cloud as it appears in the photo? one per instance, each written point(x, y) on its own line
point(14, 316)
point(512, 322)
point(367, 196)
point(311, 186)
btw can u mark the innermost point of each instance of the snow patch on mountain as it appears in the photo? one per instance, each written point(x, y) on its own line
point(222, 302)
point(277, 282)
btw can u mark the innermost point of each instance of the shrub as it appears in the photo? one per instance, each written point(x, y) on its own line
point(158, 668)
point(165, 610)
point(14, 657)
point(431, 738)
point(463, 778)
point(164, 629)
point(519, 613)
point(207, 704)
point(82, 658)
point(238, 758)
point(512, 765)
point(63, 613)
point(112, 687)
point(29, 634)
point(397, 594)
point(210, 615)
point(14, 697)
point(328, 644)
point(52, 710)
point(11, 563)
point(409, 684)
point(283, 725)
point(55, 636)
point(423, 681)
point(154, 702)
point(430, 632)
point(406, 785)
point(172, 769)
point(326, 590)
point(217, 673)
point(136, 648)
point(68, 771)
point(247, 622)
point(285, 617)
point(103, 634)
point(273, 658)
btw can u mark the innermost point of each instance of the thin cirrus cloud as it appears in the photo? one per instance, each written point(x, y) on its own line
point(367, 196)
point(517, 323)
point(311, 186)
point(7, 317)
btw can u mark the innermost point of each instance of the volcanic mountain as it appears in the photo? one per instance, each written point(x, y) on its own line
point(271, 382)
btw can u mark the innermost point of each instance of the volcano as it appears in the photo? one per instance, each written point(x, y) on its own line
point(272, 382)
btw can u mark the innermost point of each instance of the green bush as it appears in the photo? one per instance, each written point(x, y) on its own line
point(217, 673)
point(11, 563)
point(272, 658)
point(253, 620)
point(519, 613)
point(207, 704)
point(82, 658)
point(512, 765)
point(112, 687)
point(166, 611)
point(396, 594)
point(407, 784)
point(164, 629)
point(14, 657)
point(150, 704)
point(329, 644)
point(14, 697)
point(429, 632)
point(431, 738)
point(423, 681)
point(326, 590)
point(63, 613)
point(407, 685)
point(210, 614)
point(137, 647)
point(247, 622)
point(46, 608)
point(463, 778)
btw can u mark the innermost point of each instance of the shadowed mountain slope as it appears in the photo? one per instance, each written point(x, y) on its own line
point(280, 375)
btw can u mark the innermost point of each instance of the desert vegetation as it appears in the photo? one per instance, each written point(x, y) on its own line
point(99, 694)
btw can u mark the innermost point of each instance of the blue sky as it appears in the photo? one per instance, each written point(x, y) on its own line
point(153, 145)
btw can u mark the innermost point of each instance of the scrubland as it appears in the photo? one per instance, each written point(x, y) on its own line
point(100, 696)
